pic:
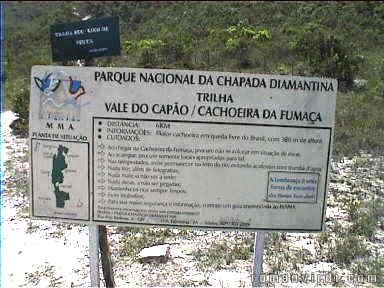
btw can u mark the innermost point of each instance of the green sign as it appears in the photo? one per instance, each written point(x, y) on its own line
point(86, 39)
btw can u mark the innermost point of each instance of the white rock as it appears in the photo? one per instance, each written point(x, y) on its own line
point(161, 252)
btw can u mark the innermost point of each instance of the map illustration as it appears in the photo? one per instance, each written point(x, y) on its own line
point(60, 179)
point(58, 165)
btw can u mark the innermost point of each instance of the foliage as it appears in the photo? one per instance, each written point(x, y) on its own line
point(346, 249)
point(280, 257)
point(17, 183)
point(343, 249)
point(244, 33)
point(326, 53)
point(20, 102)
point(240, 42)
point(147, 50)
point(365, 218)
point(331, 39)
point(371, 268)
point(358, 123)
point(219, 255)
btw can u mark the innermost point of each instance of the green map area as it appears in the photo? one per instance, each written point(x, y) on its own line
point(58, 165)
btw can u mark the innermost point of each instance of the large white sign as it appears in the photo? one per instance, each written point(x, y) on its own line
point(180, 148)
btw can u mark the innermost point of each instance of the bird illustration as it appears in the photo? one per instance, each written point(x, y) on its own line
point(48, 84)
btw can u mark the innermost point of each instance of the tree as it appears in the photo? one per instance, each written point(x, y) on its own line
point(326, 54)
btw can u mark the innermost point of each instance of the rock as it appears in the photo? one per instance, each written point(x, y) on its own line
point(159, 253)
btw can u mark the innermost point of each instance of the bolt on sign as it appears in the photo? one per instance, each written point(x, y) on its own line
point(85, 39)
point(180, 148)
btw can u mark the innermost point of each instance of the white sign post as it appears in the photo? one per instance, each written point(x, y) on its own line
point(94, 255)
point(180, 148)
point(258, 251)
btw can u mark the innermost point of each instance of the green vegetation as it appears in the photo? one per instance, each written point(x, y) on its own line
point(222, 254)
point(281, 257)
point(342, 246)
point(365, 217)
point(332, 39)
point(17, 181)
point(353, 241)
point(342, 40)
point(372, 267)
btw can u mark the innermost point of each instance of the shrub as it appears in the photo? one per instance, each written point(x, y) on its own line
point(371, 269)
point(327, 54)
point(343, 248)
point(19, 100)
point(221, 254)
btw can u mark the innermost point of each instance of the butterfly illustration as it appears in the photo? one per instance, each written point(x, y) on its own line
point(48, 84)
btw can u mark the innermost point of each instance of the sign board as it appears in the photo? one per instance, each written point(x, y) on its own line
point(180, 148)
point(85, 39)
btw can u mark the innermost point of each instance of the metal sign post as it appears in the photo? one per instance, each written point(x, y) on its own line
point(94, 255)
point(258, 252)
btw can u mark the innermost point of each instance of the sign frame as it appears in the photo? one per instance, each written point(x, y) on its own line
point(120, 113)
